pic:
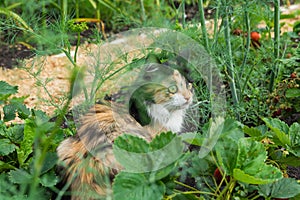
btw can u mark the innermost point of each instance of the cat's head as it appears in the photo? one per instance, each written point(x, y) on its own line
point(160, 85)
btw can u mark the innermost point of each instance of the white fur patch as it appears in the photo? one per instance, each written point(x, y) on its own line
point(170, 120)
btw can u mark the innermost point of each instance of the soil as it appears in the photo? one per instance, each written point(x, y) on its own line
point(10, 55)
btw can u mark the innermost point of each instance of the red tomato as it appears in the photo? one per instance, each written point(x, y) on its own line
point(255, 36)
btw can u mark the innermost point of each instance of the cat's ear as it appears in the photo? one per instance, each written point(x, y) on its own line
point(151, 67)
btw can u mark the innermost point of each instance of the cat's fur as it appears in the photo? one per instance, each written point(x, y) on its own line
point(86, 157)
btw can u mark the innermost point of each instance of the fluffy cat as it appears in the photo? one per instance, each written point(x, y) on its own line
point(158, 103)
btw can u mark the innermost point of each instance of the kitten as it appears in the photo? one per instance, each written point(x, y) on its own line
point(158, 103)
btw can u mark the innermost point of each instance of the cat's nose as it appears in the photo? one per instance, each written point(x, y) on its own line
point(187, 98)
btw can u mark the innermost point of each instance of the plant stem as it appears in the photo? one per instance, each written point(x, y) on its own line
point(64, 10)
point(248, 40)
point(44, 13)
point(98, 15)
point(227, 190)
point(216, 19)
point(77, 9)
point(203, 27)
point(143, 11)
point(248, 29)
point(229, 55)
point(276, 43)
point(183, 13)
point(77, 46)
point(184, 185)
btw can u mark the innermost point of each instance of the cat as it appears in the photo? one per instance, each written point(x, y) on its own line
point(158, 103)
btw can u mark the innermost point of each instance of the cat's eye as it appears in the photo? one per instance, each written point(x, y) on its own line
point(189, 86)
point(172, 89)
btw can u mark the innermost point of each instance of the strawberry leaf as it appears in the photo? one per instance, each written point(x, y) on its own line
point(136, 155)
point(284, 188)
point(251, 167)
point(280, 129)
point(133, 186)
point(6, 90)
point(6, 147)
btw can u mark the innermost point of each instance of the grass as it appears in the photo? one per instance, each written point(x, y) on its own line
point(259, 80)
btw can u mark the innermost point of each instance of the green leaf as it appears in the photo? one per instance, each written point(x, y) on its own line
point(15, 133)
point(253, 131)
point(133, 186)
point(232, 129)
point(227, 151)
point(40, 117)
point(9, 112)
point(20, 176)
point(5, 166)
point(163, 140)
point(292, 93)
point(8, 188)
point(283, 188)
point(161, 173)
point(6, 90)
point(280, 129)
point(212, 134)
point(251, 167)
point(291, 160)
point(136, 155)
point(49, 179)
point(261, 178)
point(49, 162)
point(251, 155)
point(294, 133)
point(193, 138)
point(23, 111)
point(6, 147)
point(26, 145)
point(132, 144)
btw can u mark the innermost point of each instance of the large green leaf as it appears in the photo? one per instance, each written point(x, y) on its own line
point(6, 147)
point(9, 112)
point(133, 186)
point(253, 132)
point(227, 151)
point(284, 188)
point(15, 133)
point(280, 129)
point(49, 162)
point(294, 135)
point(251, 167)
point(26, 145)
point(131, 143)
point(251, 155)
point(20, 176)
point(232, 129)
point(136, 155)
point(266, 174)
point(11, 109)
point(193, 138)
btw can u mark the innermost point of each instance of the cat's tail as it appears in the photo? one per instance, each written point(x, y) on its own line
point(86, 175)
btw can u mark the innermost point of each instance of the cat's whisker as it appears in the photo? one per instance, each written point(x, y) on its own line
point(198, 103)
